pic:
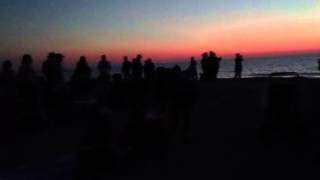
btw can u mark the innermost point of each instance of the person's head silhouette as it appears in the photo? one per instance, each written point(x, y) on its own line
point(103, 57)
point(59, 57)
point(204, 55)
point(27, 60)
point(193, 61)
point(83, 60)
point(52, 55)
point(6, 66)
point(148, 60)
point(125, 58)
point(212, 54)
point(139, 57)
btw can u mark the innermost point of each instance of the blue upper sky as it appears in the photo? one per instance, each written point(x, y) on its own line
point(37, 26)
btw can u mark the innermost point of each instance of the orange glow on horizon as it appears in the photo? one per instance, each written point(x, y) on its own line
point(249, 36)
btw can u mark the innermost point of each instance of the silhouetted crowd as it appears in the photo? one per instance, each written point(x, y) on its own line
point(34, 97)
point(154, 100)
point(30, 97)
point(154, 104)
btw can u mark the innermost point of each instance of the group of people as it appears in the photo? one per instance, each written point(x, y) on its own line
point(150, 100)
point(211, 65)
point(136, 70)
point(52, 69)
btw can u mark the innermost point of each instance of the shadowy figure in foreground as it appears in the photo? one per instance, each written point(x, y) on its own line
point(191, 73)
point(204, 66)
point(214, 65)
point(82, 71)
point(104, 68)
point(238, 66)
point(319, 64)
point(59, 67)
point(149, 68)
point(7, 73)
point(137, 68)
point(81, 80)
point(48, 67)
point(210, 66)
point(52, 69)
point(30, 97)
point(126, 68)
point(26, 72)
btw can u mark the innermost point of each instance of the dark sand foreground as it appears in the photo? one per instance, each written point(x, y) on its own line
point(251, 129)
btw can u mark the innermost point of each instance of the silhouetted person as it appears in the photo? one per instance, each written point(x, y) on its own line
point(52, 69)
point(81, 81)
point(191, 72)
point(238, 66)
point(82, 71)
point(204, 66)
point(48, 67)
point(29, 95)
point(8, 103)
point(149, 68)
point(7, 73)
point(59, 67)
point(26, 72)
point(137, 68)
point(213, 66)
point(104, 68)
point(176, 73)
point(126, 68)
point(319, 64)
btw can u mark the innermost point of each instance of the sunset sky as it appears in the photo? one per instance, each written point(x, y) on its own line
point(162, 29)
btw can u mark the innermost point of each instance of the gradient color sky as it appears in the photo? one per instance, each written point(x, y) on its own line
point(162, 29)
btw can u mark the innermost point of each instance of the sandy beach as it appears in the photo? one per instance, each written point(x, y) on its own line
point(253, 128)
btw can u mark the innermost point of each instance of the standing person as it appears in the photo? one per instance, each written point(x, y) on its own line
point(137, 68)
point(126, 68)
point(104, 68)
point(204, 66)
point(48, 67)
point(7, 74)
point(82, 71)
point(319, 64)
point(26, 72)
point(238, 66)
point(52, 69)
point(149, 68)
point(213, 65)
point(192, 73)
point(59, 67)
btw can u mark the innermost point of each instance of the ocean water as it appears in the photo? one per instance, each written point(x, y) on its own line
point(304, 64)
